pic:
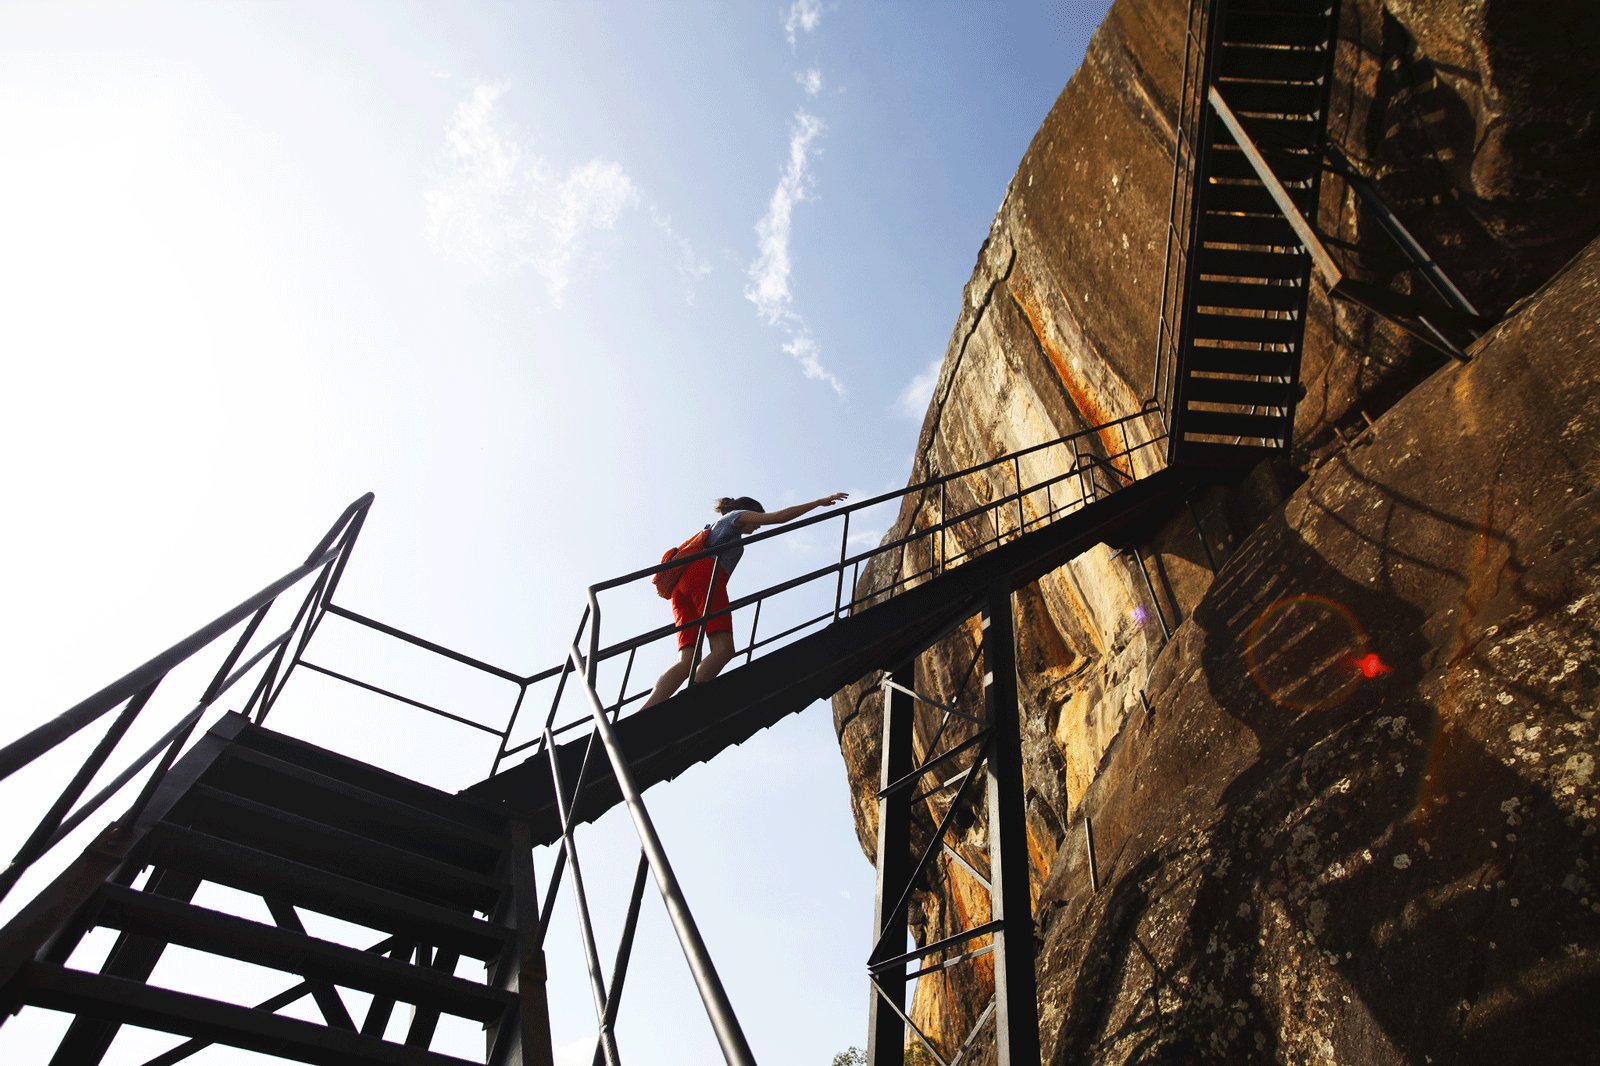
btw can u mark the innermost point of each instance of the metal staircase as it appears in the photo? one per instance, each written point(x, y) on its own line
point(306, 830)
point(1254, 116)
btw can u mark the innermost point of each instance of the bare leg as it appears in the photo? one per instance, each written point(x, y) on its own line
point(716, 658)
point(711, 665)
point(671, 678)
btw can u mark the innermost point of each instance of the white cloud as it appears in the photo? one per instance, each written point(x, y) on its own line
point(803, 15)
point(915, 397)
point(769, 274)
point(806, 352)
point(502, 206)
point(810, 81)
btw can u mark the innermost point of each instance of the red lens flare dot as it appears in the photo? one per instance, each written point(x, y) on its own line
point(1308, 652)
point(1371, 666)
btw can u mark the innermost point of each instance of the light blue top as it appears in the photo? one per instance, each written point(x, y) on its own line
point(725, 532)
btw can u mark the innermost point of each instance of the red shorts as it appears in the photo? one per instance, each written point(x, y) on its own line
point(689, 602)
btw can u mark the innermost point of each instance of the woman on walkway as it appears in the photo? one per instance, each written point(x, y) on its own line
point(740, 515)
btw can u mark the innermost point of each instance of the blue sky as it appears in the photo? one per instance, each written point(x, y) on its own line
point(545, 277)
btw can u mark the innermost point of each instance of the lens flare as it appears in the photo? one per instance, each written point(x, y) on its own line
point(1309, 653)
point(1370, 665)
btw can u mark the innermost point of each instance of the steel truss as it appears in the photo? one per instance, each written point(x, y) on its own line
point(994, 753)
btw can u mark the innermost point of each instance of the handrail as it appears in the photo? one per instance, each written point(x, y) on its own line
point(895, 494)
point(1079, 474)
point(133, 691)
point(35, 743)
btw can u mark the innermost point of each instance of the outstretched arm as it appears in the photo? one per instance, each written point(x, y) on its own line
point(751, 519)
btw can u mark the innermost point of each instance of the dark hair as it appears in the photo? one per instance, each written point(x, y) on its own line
point(737, 503)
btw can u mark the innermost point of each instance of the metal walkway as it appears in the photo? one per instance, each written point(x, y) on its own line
point(696, 725)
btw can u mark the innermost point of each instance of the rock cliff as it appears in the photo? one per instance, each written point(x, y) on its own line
point(1295, 861)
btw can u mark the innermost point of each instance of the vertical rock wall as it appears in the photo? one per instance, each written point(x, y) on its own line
point(1477, 128)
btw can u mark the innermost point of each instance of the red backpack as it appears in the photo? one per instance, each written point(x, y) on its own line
point(667, 580)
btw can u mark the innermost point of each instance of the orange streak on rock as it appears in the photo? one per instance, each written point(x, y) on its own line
point(1085, 401)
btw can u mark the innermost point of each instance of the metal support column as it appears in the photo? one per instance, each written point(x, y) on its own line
point(1015, 989)
point(886, 1033)
point(522, 1037)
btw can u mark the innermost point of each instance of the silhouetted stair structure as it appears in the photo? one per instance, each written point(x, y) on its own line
point(1243, 308)
point(303, 828)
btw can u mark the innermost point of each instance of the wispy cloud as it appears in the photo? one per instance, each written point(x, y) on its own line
point(915, 397)
point(810, 81)
point(769, 289)
point(501, 206)
point(769, 274)
point(804, 15)
point(806, 352)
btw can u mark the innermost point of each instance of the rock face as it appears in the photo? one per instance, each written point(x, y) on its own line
point(1297, 861)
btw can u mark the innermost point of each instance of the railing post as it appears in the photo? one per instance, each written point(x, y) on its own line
point(1016, 474)
point(735, 1049)
point(1016, 994)
point(844, 551)
point(886, 1034)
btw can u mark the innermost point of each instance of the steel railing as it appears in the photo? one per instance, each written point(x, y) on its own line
point(270, 661)
point(1180, 220)
point(974, 509)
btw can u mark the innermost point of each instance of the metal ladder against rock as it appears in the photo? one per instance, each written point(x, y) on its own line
point(1259, 107)
point(305, 830)
point(1242, 242)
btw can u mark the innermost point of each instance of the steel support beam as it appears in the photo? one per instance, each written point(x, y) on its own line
point(1015, 988)
point(523, 1037)
point(886, 1034)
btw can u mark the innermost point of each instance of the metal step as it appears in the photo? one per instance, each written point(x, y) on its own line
point(1272, 98)
point(399, 789)
point(300, 885)
point(1251, 199)
point(1245, 229)
point(291, 787)
point(1229, 263)
point(1297, 7)
point(133, 1003)
point(1284, 331)
point(1210, 455)
point(1208, 360)
point(1245, 62)
point(1275, 27)
point(175, 922)
point(328, 847)
point(689, 728)
point(1283, 134)
point(1292, 168)
point(1238, 392)
point(1231, 424)
point(1244, 295)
